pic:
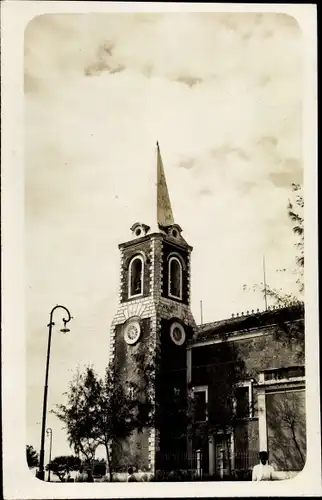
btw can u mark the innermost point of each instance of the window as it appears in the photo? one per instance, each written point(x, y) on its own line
point(177, 396)
point(136, 276)
point(284, 373)
point(175, 278)
point(243, 400)
point(200, 396)
point(129, 390)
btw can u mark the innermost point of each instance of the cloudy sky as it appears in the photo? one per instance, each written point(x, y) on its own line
point(222, 95)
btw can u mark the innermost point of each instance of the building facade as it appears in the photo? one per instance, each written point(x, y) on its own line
point(236, 372)
point(266, 392)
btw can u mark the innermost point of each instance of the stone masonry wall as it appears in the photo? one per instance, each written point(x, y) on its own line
point(266, 351)
point(168, 249)
point(286, 429)
point(152, 308)
point(143, 249)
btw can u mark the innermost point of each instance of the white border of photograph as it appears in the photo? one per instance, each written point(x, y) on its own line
point(19, 483)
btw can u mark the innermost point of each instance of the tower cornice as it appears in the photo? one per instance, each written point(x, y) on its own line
point(160, 236)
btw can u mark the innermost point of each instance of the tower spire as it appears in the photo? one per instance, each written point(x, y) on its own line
point(164, 210)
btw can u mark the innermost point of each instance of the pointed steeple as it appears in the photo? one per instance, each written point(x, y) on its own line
point(164, 210)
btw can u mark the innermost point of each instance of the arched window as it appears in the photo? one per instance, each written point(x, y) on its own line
point(136, 276)
point(175, 278)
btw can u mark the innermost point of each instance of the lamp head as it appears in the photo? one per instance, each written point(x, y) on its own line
point(65, 330)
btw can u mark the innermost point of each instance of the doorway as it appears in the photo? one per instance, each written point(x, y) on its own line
point(221, 455)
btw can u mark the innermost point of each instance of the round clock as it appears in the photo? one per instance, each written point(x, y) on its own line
point(177, 333)
point(132, 332)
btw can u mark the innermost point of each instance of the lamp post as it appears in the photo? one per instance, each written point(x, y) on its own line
point(41, 473)
point(49, 431)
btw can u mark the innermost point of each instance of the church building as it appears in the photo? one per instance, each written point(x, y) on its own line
point(244, 375)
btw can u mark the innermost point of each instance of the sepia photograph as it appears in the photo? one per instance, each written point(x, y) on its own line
point(165, 297)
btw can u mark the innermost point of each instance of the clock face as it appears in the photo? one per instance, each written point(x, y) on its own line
point(132, 332)
point(177, 333)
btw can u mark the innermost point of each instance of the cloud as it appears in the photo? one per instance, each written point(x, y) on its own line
point(104, 61)
point(225, 150)
point(290, 171)
point(187, 163)
point(189, 80)
point(205, 192)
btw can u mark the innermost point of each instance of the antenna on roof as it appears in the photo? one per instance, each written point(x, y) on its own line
point(265, 290)
point(201, 319)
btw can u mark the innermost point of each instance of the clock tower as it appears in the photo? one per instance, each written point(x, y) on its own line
point(153, 323)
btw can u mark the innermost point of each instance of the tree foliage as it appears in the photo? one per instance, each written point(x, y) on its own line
point(295, 213)
point(288, 330)
point(32, 456)
point(99, 411)
point(295, 209)
point(63, 465)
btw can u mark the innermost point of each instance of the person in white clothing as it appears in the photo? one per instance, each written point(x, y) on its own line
point(263, 471)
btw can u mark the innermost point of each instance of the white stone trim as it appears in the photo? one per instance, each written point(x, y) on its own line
point(262, 424)
point(189, 278)
point(179, 257)
point(135, 257)
point(152, 450)
point(241, 336)
point(263, 389)
point(176, 259)
point(156, 268)
point(183, 333)
point(121, 276)
point(290, 389)
point(152, 276)
point(201, 388)
point(232, 449)
point(211, 453)
point(280, 381)
point(132, 340)
point(112, 345)
point(249, 384)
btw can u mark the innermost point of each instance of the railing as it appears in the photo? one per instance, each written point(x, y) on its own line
point(245, 460)
point(177, 461)
point(284, 373)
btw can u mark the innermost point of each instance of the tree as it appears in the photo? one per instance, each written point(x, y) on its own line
point(288, 330)
point(32, 457)
point(81, 401)
point(62, 465)
point(99, 412)
point(286, 429)
point(295, 209)
point(295, 213)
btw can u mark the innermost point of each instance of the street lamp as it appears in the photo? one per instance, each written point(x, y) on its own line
point(41, 473)
point(49, 431)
